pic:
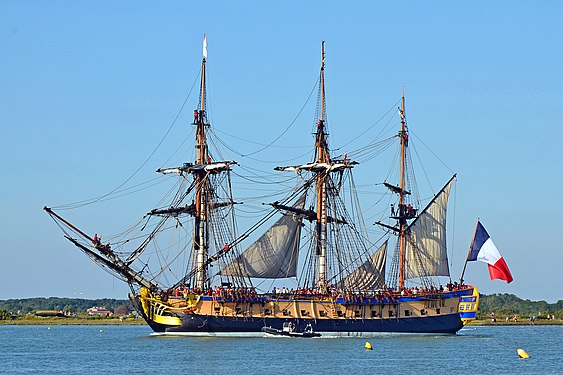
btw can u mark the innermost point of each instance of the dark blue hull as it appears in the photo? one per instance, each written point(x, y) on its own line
point(201, 324)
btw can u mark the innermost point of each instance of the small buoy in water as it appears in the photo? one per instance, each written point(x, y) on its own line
point(368, 346)
point(48, 327)
point(101, 330)
point(522, 353)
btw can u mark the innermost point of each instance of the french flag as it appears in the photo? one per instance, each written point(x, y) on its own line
point(483, 249)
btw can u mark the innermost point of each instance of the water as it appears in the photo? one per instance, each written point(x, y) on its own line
point(132, 350)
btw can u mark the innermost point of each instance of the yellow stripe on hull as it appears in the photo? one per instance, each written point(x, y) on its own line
point(166, 320)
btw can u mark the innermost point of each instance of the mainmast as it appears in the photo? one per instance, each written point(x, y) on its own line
point(322, 157)
point(321, 167)
point(200, 227)
point(402, 222)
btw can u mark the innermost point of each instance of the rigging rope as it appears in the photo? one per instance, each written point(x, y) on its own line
point(429, 149)
point(370, 127)
point(289, 126)
point(99, 198)
point(255, 143)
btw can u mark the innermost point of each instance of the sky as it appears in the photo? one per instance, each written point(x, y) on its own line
point(89, 89)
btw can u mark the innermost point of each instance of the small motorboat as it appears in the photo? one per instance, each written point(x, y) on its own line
point(289, 329)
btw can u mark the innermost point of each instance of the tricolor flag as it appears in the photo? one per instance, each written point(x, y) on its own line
point(483, 249)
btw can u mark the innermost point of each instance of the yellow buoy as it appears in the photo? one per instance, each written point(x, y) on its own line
point(48, 327)
point(101, 330)
point(368, 346)
point(522, 353)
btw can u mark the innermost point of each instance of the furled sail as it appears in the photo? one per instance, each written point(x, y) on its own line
point(426, 253)
point(370, 275)
point(274, 255)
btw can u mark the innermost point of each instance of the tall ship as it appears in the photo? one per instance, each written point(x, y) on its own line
point(318, 238)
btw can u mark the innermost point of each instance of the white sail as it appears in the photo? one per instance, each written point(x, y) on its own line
point(370, 275)
point(274, 255)
point(426, 253)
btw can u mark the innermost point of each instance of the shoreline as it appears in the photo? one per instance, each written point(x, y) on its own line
point(541, 322)
point(73, 321)
point(139, 321)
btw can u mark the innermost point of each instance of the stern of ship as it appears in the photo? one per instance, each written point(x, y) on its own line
point(468, 306)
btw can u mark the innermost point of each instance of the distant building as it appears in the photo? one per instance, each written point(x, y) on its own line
point(96, 310)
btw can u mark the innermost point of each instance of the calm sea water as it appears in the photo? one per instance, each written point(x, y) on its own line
point(132, 350)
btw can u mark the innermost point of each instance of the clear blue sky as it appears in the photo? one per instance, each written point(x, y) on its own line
point(88, 89)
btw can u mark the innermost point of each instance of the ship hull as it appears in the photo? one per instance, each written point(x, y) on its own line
point(212, 325)
point(411, 315)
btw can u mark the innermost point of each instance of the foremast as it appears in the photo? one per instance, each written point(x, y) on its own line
point(205, 195)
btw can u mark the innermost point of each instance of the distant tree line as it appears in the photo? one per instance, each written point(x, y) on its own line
point(72, 305)
point(509, 304)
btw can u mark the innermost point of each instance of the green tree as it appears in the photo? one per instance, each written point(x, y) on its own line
point(5, 314)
